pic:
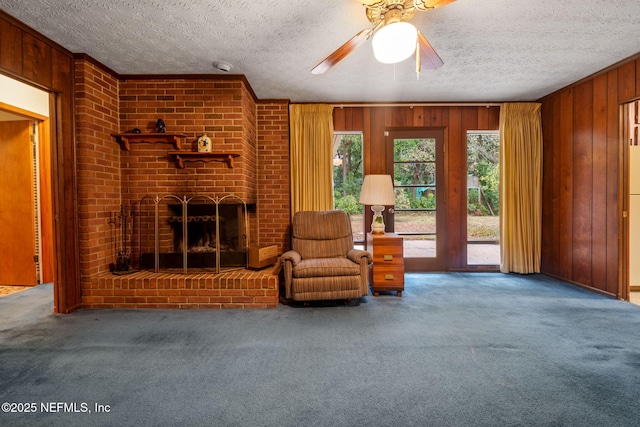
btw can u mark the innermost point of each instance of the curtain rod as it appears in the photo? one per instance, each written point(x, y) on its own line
point(422, 104)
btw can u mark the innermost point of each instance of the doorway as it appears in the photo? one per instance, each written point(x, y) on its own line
point(416, 162)
point(26, 206)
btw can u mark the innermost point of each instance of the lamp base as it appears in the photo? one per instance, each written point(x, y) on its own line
point(377, 224)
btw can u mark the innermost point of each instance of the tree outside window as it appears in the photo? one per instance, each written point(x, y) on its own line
point(347, 179)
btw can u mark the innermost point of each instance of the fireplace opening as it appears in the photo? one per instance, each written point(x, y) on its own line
point(203, 233)
point(201, 228)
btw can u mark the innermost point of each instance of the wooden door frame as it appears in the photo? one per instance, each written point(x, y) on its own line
point(64, 267)
point(67, 291)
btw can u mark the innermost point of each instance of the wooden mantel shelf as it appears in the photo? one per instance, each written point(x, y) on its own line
point(125, 139)
point(195, 156)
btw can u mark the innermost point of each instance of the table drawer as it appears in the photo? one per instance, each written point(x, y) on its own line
point(388, 254)
point(388, 277)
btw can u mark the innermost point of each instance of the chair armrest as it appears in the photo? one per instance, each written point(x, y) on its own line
point(363, 258)
point(292, 256)
point(289, 259)
point(356, 255)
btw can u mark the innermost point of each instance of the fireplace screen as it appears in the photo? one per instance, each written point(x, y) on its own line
point(197, 233)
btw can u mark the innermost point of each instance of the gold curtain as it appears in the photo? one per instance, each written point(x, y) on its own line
point(520, 187)
point(311, 133)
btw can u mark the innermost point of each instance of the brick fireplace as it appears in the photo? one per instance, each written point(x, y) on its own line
point(110, 175)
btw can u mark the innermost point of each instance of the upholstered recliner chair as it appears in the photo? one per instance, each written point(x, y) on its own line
point(323, 264)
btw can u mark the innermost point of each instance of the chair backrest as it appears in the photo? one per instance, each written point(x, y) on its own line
point(325, 234)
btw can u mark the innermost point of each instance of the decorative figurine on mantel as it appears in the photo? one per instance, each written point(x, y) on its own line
point(160, 126)
point(204, 144)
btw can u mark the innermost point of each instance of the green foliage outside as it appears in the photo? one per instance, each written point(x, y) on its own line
point(483, 157)
point(414, 173)
point(347, 174)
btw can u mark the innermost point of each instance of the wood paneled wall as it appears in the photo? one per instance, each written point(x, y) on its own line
point(456, 121)
point(32, 58)
point(583, 188)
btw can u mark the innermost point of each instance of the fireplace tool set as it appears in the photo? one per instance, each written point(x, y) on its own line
point(123, 222)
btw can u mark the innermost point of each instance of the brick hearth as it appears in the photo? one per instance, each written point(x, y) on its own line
point(144, 289)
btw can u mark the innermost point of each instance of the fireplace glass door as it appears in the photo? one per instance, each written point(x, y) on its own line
point(200, 233)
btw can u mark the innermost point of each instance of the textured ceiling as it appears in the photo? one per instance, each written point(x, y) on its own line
point(493, 50)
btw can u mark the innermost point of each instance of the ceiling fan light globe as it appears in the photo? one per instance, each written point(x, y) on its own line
point(395, 42)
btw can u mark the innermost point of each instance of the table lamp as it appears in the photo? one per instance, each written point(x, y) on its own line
point(377, 191)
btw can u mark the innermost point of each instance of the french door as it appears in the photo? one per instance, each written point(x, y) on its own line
point(416, 163)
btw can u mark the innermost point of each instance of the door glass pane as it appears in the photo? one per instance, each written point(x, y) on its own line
point(483, 181)
point(414, 175)
point(410, 150)
point(416, 197)
point(420, 229)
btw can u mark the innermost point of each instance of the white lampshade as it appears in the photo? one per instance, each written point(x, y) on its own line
point(395, 42)
point(377, 190)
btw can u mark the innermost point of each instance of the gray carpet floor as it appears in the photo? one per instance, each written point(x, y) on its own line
point(458, 349)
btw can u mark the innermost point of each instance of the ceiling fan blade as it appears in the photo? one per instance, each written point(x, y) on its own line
point(371, 3)
point(342, 51)
point(428, 57)
point(431, 4)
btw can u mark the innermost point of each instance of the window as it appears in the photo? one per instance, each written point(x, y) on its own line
point(483, 209)
point(347, 179)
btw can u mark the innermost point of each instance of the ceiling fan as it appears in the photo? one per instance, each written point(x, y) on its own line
point(385, 16)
